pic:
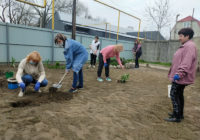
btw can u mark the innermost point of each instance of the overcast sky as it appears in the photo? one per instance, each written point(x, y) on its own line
point(137, 8)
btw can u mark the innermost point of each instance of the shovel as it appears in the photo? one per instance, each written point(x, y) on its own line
point(59, 84)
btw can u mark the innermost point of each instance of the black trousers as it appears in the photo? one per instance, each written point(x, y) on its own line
point(137, 56)
point(177, 98)
point(101, 64)
point(93, 59)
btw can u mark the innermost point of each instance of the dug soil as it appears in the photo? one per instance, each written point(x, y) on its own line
point(100, 111)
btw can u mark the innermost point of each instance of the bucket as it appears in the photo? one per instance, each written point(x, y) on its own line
point(169, 89)
point(12, 83)
point(9, 74)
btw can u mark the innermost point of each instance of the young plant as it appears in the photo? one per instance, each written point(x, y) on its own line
point(57, 65)
point(46, 62)
point(124, 78)
point(13, 62)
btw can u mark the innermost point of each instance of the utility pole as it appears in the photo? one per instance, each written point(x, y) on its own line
point(175, 26)
point(74, 20)
point(106, 29)
point(192, 17)
point(10, 12)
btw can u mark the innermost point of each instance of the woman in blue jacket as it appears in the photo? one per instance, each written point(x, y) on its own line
point(76, 56)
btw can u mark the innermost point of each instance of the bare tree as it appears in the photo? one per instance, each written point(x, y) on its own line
point(159, 14)
point(15, 12)
point(3, 7)
point(60, 5)
point(20, 13)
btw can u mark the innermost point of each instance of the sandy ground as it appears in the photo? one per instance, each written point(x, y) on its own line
point(101, 111)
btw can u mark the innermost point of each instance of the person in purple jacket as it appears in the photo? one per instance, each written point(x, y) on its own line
point(137, 51)
point(182, 72)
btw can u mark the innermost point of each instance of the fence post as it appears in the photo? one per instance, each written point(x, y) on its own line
point(101, 42)
point(81, 40)
point(52, 51)
point(7, 44)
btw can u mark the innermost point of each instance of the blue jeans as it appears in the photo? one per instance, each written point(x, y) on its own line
point(76, 77)
point(27, 79)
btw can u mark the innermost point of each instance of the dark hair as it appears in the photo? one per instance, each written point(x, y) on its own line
point(137, 41)
point(96, 37)
point(186, 32)
point(61, 37)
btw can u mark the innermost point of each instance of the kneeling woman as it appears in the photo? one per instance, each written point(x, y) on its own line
point(31, 70)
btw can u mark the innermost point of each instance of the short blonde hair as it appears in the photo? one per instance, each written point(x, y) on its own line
point(34, 56)
point(119, 48)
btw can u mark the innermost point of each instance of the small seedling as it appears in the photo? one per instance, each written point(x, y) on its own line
point(13, 62)
point(47, 62)
point(57, 65)
point(124, 78)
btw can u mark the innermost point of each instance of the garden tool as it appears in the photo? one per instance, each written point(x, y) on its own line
point(59, 84)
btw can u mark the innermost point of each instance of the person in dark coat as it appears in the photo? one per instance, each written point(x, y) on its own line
point(137, 51)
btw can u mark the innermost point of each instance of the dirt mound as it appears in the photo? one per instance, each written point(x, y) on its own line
point(41, 98)
point(3, 83)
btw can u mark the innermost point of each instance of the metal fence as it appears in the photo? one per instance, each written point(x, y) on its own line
point(16, 41)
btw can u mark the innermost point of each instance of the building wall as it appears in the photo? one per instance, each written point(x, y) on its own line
point(197, 42)
point(195, 26)
point(163, 51)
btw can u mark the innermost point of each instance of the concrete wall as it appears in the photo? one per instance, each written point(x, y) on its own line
point(163, 51)
point(197, 42)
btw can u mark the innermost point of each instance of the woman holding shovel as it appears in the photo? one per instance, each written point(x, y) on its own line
point(31, 70)
point(76, 56)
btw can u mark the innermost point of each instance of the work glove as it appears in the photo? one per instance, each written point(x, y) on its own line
point(105, 64)
point(37, 86)
point(22, 86)
point(176, 77)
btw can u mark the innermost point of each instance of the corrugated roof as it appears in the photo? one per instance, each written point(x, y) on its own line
point(92, 23)
point(151, 35)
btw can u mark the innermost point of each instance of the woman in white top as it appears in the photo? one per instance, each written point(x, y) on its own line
point(94, 49)
point(31, 70)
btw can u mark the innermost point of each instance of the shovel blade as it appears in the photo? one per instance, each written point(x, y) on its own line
point(57, 85)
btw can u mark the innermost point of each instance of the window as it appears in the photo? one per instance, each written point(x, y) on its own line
point(187, 24)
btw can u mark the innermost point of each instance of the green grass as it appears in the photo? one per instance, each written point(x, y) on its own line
point(57, 65)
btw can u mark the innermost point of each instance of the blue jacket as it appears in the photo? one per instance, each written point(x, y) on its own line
point(75, 54)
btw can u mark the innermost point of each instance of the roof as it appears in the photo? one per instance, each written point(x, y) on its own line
point(151, 35)
point(189, 18)
point(92, 23)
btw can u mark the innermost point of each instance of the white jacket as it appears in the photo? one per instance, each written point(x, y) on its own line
point(94, 45)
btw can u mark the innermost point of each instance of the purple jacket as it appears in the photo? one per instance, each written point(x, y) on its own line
point(136, 48)
point(184, 63)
